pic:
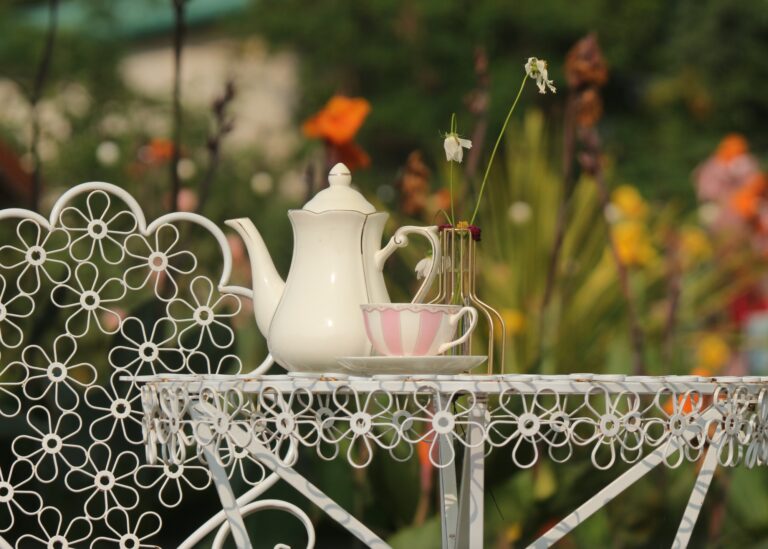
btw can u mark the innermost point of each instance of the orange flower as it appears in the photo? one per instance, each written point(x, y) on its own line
point(686, 404)
point(746, 200)
point(732, 146)
point(339, 120)
point(159, 150)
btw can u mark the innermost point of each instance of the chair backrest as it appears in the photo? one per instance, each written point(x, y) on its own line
point(87, 296)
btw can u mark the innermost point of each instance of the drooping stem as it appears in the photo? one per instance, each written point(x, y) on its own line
point(496, 148)
point(41, 76)
point(178, 44)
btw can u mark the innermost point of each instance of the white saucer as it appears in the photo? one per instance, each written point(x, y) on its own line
point(410, 365)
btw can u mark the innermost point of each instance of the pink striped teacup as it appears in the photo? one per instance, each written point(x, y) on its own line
point(411, 329)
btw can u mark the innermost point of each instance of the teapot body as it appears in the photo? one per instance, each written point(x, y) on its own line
point(313, 318)
point(332, 273)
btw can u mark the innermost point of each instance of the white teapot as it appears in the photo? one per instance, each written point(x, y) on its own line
point(314, 317)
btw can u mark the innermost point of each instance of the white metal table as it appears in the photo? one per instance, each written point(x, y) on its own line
point(643, 421)
point(78, 277)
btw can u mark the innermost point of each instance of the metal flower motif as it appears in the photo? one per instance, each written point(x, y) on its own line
point(108, 479)
point(242, 462)
point(757, 449)
point(439, 417)
point(87, 297)
point(12, 308)
point(170, 479)
point(201, 316)
point(51, 523)
point(279, 422)
point(97, 229)
point(34, 255)
point(160, 260)
point(200, 363)
point(542, 420)
point(14, 497)
point(152, 351)
point(56, 373)
point(126, 536)
point(360, 420)
point(169, 425)
point(118, 406)
point(215, 433)
point(45, 448)
point(10, 404)
point(680, 428)
point(732, 402)
point(614, 422)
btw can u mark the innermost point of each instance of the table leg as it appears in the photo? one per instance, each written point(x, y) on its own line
point(699, 492)
point(449, 502)
point(470, 531)
point(599, 500)
point(224, 489)
point(266, 457)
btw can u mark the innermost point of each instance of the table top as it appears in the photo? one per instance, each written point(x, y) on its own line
point(620, 418)
point(578, 383)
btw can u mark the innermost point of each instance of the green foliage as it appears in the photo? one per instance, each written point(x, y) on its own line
point(678, 70)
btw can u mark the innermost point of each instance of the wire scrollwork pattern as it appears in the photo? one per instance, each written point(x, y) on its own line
point(88, 296)
point(608, 422)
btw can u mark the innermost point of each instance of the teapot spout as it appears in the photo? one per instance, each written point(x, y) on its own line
point(267, 285)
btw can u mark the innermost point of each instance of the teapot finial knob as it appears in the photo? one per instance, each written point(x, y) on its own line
point(339, 175)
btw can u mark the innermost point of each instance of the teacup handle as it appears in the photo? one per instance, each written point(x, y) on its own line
point(400, 240)
point(454, 319)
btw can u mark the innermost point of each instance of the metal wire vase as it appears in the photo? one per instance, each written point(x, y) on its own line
point(457, 286)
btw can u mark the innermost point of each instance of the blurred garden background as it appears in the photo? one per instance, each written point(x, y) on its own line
point(624, 226)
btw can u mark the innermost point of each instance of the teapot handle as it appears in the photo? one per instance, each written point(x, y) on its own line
point(400, 240)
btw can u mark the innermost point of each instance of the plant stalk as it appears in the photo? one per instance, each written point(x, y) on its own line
point(178, 44)
point(41, 76)
point(496, 148)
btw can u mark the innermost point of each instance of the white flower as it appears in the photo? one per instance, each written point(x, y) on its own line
point(454, 147)
point(537, 69)
point(423, 267)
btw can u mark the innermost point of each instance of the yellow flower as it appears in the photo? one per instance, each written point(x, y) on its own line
point(712, 353)
point(694, 245)
point(513, 532)
point(629, 202)
point(633, 245)
point(514, 321)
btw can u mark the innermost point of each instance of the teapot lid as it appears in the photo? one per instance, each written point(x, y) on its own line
point(339, 195)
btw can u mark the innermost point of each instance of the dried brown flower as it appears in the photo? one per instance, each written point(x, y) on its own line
point(589, 108)
point(585, 64)
point(414, 185)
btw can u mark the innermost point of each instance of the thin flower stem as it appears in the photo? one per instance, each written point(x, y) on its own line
point(450, 171)
point(496, 148)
